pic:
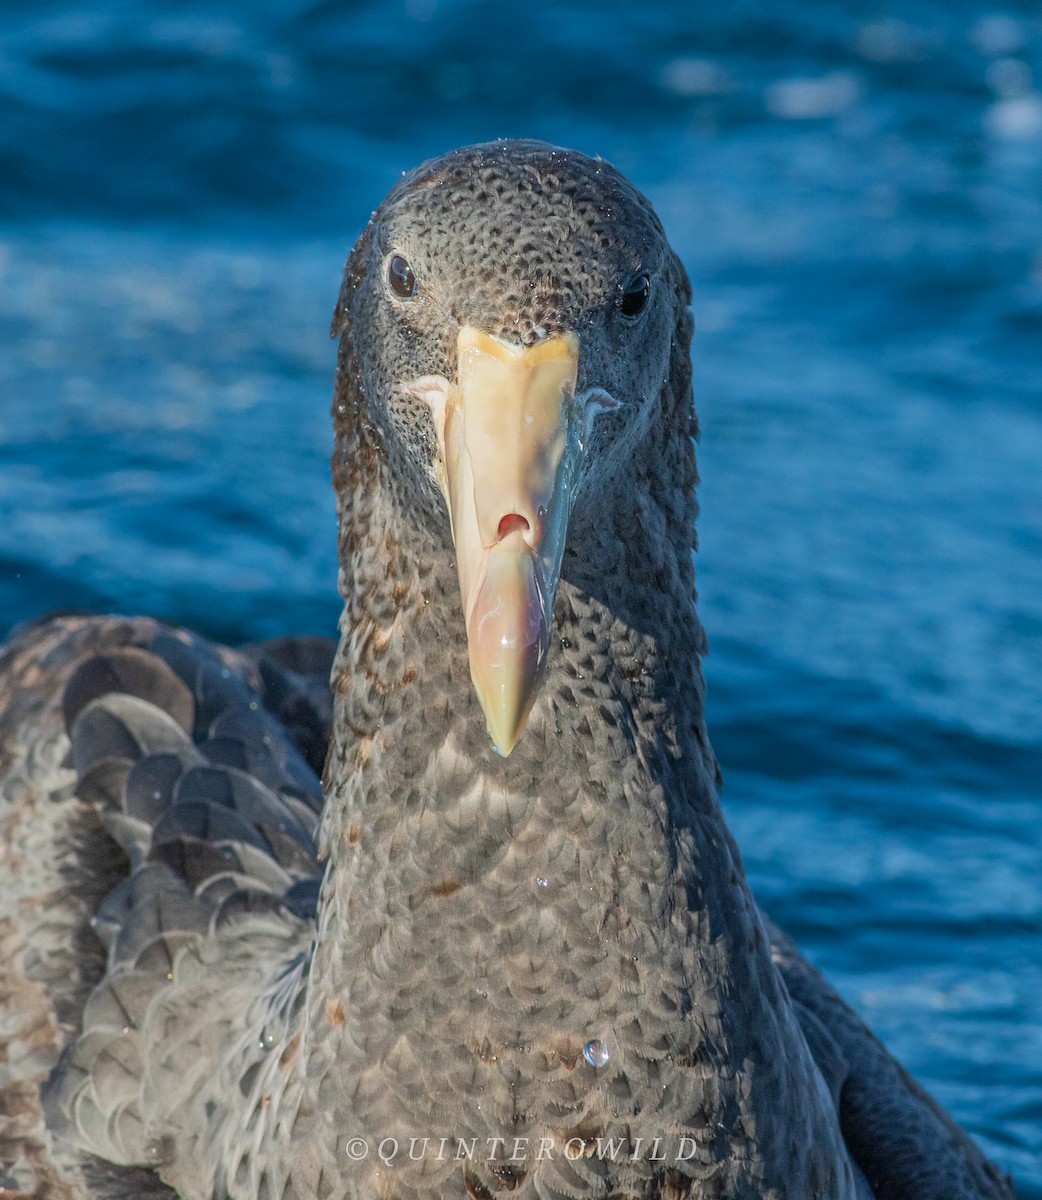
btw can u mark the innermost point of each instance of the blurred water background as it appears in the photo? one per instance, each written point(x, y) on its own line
point(857, 192)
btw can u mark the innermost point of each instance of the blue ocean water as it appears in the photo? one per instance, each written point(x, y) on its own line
point(857, 192)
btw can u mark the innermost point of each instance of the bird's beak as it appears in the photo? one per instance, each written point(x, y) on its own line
point(509, 431)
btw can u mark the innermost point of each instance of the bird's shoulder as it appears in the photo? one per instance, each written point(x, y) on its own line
point(906, 1145)
point(155, 790)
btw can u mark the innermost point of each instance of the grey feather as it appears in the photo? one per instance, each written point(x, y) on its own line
point(150, 784)
point(119, 725)
point(131, 672)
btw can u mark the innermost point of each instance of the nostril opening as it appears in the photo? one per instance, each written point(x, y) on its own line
point(512, 523)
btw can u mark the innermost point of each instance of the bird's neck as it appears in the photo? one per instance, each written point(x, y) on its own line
point(492, 932)
point(623, 683)
point(609, 798)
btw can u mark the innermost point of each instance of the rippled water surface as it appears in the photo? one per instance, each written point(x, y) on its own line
point(859, 201)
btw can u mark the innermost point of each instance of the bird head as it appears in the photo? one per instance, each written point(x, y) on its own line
point(525, 304)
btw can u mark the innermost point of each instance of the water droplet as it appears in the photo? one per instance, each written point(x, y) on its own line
point(160, 1151)
point(267, 1039)
point(542, 882)
point(596, 1053)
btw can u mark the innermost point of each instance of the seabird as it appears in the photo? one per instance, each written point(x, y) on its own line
point(507, 944)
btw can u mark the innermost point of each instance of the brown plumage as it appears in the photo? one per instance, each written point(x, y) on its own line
point(438, 943)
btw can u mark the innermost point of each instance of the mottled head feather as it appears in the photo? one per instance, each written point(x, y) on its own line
point(522, 240)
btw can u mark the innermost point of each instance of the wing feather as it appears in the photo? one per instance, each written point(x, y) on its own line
point(905, 1144)
point(152, 807)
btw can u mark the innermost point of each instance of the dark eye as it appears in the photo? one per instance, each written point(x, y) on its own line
point(635, 296)
point(400, 276)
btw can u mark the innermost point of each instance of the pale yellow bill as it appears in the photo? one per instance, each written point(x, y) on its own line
point(509, 435)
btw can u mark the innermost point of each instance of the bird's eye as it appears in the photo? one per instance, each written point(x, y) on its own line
point(401, 277)
point(635, 297)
